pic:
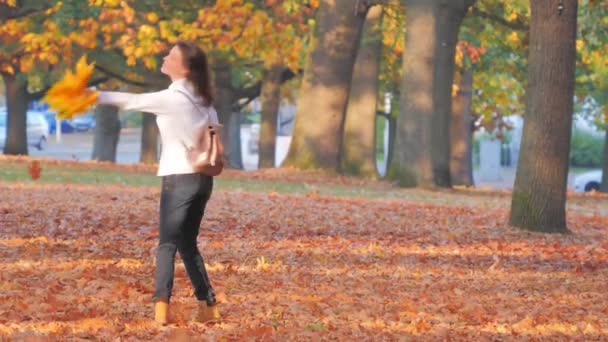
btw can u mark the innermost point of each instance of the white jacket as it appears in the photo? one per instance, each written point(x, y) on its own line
point(176, 117)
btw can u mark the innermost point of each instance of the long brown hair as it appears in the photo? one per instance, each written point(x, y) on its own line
point(199, 72)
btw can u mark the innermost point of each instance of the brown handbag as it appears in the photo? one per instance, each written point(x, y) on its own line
point(206, 155)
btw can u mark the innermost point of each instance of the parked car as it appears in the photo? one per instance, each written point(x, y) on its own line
point(66, 125)
point(37, 129)
point(588, 181)
point(84, 122)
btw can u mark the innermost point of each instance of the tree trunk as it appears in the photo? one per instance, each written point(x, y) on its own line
point(359, 147)
point(319, 121)
point(231, 133)
point(422, 145)
point(539, 193)
point(271, 99)
point(461, 134)
point(107, 132)
point(449, 18)
point(411, 162)
point(149, 139)
point(16, 103)
point(604, 185)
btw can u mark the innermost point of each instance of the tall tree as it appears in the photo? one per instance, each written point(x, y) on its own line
point(422, 146)
point(106, 133)
point(270, 100)
point(16, 103)
point(461, 132)
point(359, 147)
point(319, 122)
point(31, 43)
point(539, 195)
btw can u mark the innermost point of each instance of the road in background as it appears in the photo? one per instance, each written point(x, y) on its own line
point(79, 146)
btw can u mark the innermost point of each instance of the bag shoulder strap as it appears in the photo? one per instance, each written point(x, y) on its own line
point(212, 113)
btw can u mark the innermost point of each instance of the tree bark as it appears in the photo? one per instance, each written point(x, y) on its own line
point(271, 99)
point(604, 185)
point(539, 194)
point(359, 147)
point(225, 97)
point(319, 122)
point(107, 133)
point(16, 103)
point(449, 18)
point(149, 139)
point(411, 162)
point(461, 133)
point(422, 145)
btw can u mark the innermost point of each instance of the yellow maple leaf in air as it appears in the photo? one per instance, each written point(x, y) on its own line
point(70, 96)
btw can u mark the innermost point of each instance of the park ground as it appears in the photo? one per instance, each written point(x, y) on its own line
point(294, 256)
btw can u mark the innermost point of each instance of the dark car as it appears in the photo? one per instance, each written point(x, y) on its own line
point(66, 125)
point(84, 122)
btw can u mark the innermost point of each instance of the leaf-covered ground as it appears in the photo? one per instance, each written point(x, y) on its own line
point(76, 262)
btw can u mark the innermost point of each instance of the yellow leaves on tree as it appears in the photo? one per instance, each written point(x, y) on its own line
point(70, 96)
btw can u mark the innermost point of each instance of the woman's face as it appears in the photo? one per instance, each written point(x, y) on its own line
point(173, 64)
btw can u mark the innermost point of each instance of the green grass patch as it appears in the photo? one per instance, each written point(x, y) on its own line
point(54, 172)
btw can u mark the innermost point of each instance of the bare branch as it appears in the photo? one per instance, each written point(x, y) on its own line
point(120, 77)
point(514, 25)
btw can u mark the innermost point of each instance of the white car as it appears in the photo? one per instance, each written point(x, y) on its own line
point(37, 129)
point(588, 181)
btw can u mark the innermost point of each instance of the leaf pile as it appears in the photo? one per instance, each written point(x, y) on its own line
point(76, 262)
point(70, 96)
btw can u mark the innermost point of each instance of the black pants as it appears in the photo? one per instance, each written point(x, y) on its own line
point(182, 204)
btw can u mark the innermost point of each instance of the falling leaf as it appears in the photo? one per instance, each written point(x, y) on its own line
point(34, 169)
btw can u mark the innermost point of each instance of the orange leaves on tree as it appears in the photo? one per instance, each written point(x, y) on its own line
point(466, 49)
point(34, 169)
point(69, 96)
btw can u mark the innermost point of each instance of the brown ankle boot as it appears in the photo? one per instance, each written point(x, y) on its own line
point(207, 313)
point(161, 311)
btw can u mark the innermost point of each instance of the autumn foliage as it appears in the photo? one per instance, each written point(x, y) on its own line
point(78, 263)
point(70, 96)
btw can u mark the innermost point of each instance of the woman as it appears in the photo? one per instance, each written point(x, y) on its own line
point(186, 104)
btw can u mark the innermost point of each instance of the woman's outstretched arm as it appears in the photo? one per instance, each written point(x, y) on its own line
point(160, 103)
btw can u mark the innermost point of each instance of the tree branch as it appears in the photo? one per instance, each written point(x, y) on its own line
point(120, 77)
point(514, 25)
point(253, 91)
point(8, 13)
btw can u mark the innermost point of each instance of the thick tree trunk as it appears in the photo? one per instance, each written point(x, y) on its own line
point(359, 147)
point(319, 121)
point(411, 162)
point(461, 134)
point(231, 133)
point(449, 18)
point(422, 145)
point(107, 132)
point(271, 99)
point(539, 193)
point(16, 103)
point(604, 185)
point(149, 139)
